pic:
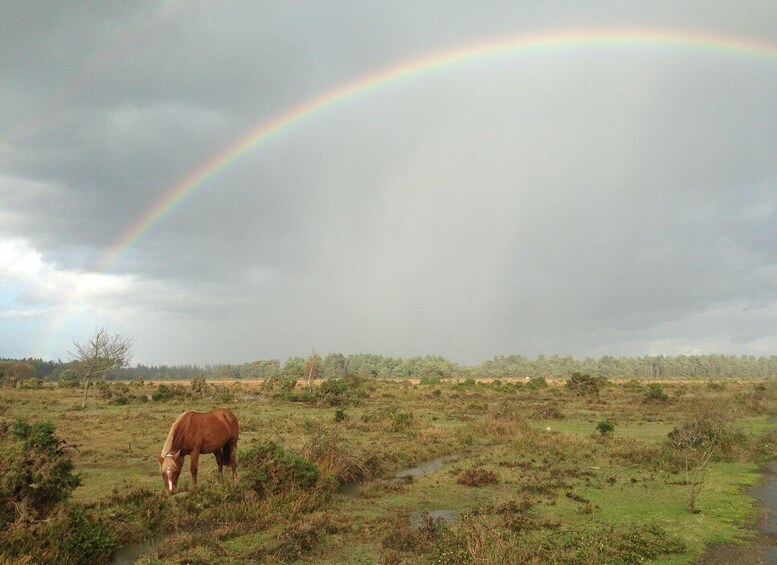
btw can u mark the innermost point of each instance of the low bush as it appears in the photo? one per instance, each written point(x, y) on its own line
point(334, 457)
point(36, 472)
point(165, 392)
point(267, 468)
point(340, 392)
point(605, 427)
point(585, 385)
point(655, 392)
point(81, 538)
point(31, 383)
point(477, 477)
point(293, 396)
point(536, 383)
point(36, 478)
point(401, 420)
point(199, 387)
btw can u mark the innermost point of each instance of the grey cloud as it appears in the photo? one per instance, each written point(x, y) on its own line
point(582, 201)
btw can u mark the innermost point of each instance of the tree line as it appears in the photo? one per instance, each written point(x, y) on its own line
point(337, 365)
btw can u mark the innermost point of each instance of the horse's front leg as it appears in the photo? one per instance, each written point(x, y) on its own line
point(195, 455)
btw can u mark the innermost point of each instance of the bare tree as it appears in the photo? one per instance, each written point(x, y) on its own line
point(101, 354)
point(698, 440)
point(314, 367)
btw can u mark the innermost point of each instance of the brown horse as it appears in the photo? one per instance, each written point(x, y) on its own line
point(194, 433)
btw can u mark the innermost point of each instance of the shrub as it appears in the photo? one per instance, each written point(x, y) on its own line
point(401, 421)
point(199, 386)
point(225, 396)
point(277, 382)
point(36, 473)
point(340, 415)
point(68, 379)
point(477, 477)
point(633, 385)
point(585, 385)
point(334, 457)
point(267, 468)
point(293, 396)
point(168, 392)
point(605, 427)
point(299, 538)
point(341, 392)
point(655, 392)
point(81, 539)
point(536, 383)
point(548, 410)
point(31, 383)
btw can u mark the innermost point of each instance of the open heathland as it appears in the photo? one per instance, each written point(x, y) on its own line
point(355, 470)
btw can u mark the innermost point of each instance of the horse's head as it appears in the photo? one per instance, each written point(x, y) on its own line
point(171, 468)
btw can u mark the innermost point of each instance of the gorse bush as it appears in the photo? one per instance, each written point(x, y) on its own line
point(36, 479)
point(267, 468)
point(655, 392)
point(199, 386)
point(605, 427)
point(347, 391)
point(81, 538)
point(168, 392)
point(334, 457)
point(31, 383)
point(536, 383)
point(585, 385)
point(36, 473)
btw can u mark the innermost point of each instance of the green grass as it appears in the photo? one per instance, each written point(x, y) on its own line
point(572, 479)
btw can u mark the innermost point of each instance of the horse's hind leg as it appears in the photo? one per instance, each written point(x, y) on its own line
point(232, 458)
point(219, 461)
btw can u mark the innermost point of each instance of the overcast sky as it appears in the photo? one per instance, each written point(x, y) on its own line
point(589, 199)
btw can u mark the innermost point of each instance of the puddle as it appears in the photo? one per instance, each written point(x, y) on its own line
point(130, 553)
point(766, 494)
point(417, 518)
point(427, 466)
point(351, 490)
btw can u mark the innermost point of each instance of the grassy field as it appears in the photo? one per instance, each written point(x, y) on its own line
point(530, 477)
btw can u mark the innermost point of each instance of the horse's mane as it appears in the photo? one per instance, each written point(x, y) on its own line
point(168, 446)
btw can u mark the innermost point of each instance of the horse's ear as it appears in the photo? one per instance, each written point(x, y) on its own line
point(177, 454)
point(161, 459)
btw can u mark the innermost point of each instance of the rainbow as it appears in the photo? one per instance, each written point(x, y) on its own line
point(265, 132)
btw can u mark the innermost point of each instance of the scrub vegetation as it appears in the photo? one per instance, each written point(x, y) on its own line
point(358, 469)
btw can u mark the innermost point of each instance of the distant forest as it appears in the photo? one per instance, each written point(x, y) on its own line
point(337, 365)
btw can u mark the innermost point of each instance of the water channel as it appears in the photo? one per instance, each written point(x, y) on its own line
point(130, 553)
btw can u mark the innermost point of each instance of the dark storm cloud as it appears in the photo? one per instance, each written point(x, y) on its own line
point(582, 201)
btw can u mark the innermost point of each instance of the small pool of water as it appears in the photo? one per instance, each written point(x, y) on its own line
point(130, 553)
point(417, 518)
point(766, 493)
point(351, 490)
point(429, 466)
